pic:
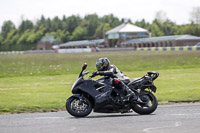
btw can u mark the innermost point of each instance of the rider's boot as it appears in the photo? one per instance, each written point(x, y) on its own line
point(130, 95)
point(127, 91)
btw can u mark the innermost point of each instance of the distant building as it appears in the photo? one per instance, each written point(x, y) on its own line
point(47, 43)
point(128, 35)
point(163, 41)
point(126, 31)
point(83, 44)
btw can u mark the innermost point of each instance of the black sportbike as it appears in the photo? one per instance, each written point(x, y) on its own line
point(101, 96)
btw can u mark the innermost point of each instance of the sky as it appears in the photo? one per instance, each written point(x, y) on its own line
point(17, 10)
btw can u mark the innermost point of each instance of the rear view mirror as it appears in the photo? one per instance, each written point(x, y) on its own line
point(84, 66)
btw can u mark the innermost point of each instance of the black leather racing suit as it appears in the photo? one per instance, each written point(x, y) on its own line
point(120, 80)
point(114, 72)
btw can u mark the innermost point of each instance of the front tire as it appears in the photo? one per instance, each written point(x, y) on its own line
point(76, 109)
point(147, 108)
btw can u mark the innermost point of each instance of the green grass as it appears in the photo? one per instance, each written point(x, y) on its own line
point(42, 82)
point(36, 93)
point(59, 64)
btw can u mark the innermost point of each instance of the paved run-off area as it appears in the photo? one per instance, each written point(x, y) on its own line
point(184, 118)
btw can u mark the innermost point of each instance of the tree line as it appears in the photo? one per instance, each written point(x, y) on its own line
point(28, 34)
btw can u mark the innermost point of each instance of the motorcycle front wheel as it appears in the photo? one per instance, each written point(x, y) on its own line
point(149, 106)
point(78, 108)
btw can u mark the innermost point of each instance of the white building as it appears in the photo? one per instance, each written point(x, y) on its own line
point(125, 32)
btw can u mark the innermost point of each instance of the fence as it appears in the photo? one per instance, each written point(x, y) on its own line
point(11, 52)
point(186, 48)
point(27, 52)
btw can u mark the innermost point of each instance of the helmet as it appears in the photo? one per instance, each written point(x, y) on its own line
point(102, 64)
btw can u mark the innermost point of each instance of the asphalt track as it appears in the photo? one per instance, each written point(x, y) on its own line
point(178, 118)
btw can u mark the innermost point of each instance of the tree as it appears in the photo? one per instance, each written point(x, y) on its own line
point(189, 29)
point(65, 37)
point(1, 40)
point(56, 24)
point(23, 38)
point(8, 40)
point(195, 15)
point(142, 24)
point(78, 34)
point(91, 26)
point(33, 37)
point(93, 23)
point(41, 21)
point(6, 28)
point(101, 30)
point(72, 23)
point(154, 28)
point(14, 40)
point(26, 24)
point(111, 19)
point(161, 16)
point(1, 43)
point(169, 27)
point(59, 35)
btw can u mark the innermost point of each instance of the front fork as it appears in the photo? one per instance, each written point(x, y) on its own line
point(81, 100)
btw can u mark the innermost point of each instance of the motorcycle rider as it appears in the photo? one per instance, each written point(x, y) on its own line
point(119, 79)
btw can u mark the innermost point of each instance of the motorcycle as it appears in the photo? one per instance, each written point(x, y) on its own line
point(102, 97)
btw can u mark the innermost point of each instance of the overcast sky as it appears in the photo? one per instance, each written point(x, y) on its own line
point(176, 10)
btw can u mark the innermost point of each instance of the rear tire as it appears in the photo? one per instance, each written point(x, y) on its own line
point(82, 110)
point(143, 110)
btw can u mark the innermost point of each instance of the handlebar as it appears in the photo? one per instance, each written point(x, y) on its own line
point(85, 73)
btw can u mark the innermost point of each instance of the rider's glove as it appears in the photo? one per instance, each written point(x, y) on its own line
point(96, 73)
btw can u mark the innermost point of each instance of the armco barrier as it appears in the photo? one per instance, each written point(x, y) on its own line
point(75, 50)
point(186, 48)
point(27, 52)
point(11, 52)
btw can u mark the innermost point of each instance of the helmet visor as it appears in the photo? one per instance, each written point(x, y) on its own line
point(99, 66)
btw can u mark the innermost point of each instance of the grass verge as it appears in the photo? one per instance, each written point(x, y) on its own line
point(32, 83)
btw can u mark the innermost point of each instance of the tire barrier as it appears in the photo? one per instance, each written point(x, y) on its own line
point(186, 48)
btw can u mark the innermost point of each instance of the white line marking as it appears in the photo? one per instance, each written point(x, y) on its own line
point(196, 113)
point(73, 128)
point(186, 114)
point(180, 114)
point(148, 130)
point(45, 118)
point(178, 124)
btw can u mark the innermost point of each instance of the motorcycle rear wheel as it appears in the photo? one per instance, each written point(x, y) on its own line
point(149, 108)
point(76, 109)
